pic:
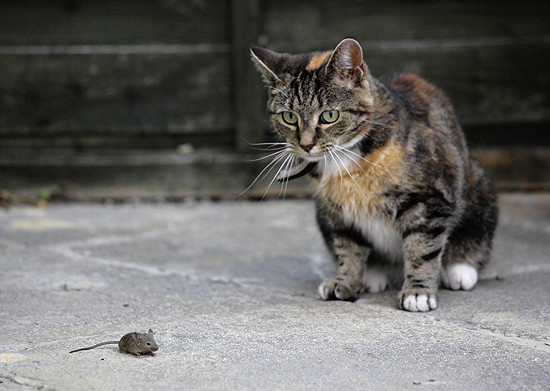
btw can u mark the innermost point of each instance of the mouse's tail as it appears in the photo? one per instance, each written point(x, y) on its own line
point(95, 346)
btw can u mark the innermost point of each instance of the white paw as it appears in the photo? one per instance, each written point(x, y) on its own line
point(419, 303)
point(460, 276)
point(376, 281)
point(325, 292)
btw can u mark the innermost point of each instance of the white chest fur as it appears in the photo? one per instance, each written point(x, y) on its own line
point(384, 238)
point(381, 234)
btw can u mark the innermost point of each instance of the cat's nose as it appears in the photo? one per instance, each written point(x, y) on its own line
point(307, 147)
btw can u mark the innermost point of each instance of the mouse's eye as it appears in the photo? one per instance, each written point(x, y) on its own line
point(148, 343)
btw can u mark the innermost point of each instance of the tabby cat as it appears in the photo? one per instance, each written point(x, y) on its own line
point(398, 198)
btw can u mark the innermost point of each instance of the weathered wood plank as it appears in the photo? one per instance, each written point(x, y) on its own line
point(247, 89)
point(179, 70)
point(147, 174)
point(76, 22)
point(312, 24)
point(124, 93)
point(490, 58)
point(123, 68)
point(488, 84)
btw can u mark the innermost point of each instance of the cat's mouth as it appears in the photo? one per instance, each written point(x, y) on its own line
point(297, 171)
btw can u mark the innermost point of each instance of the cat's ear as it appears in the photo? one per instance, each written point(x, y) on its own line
point(346, 64)
point(267, 62)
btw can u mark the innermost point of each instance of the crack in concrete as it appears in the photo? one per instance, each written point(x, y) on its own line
point(524, 342)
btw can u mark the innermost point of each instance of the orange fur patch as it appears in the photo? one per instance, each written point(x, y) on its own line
point(317, 61)
point(359, 190)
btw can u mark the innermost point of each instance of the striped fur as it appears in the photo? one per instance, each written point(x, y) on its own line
point(396, 187)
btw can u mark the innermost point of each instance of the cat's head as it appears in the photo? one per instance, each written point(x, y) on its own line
point(317, 101)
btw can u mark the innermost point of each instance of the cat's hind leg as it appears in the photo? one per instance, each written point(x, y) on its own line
point(469, 245)
point(467, 252)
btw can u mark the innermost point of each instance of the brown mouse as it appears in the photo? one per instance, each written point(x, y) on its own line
point(134, 343)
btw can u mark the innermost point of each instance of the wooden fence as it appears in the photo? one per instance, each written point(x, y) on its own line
point(96, 75)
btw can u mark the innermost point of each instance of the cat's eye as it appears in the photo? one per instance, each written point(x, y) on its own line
point(290, 118)
point(329, 116)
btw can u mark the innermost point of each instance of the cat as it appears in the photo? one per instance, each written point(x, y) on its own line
point(398, 198)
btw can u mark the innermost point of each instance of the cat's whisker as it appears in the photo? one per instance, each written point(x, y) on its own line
point(353, 160)
point(355, 154)
point(267, 169)
point(265, 143)
point(270, 145)
point(281, 143)
point(274, 154)
point(284, 185)
point(331, 152)
point(283, 167)
point(274, 163)
point(350, 154)
point(290, 156)
point(349, 173)
point(286, 182)
point(318, 188)
point(271, 148)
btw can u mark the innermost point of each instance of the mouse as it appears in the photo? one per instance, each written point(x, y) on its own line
point(134, 343)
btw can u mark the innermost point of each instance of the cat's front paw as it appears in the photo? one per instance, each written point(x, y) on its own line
point(417, 302)
point(339, 290)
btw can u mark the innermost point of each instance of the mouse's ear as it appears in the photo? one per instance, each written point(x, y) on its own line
point(151, 331)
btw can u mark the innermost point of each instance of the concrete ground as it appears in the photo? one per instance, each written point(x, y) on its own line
point(230, 290)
